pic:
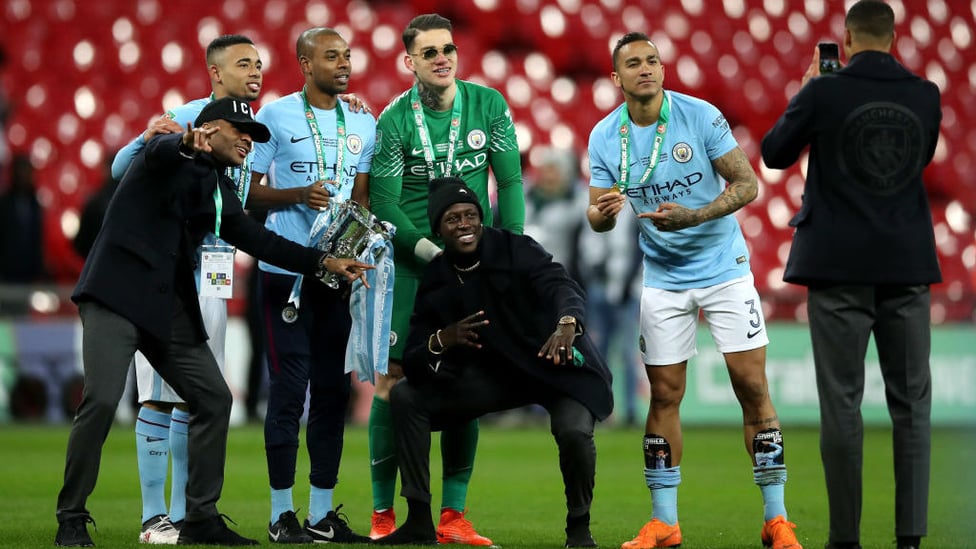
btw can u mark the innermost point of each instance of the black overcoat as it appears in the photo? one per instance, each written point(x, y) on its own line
point(524, 294)
point(145, 252)
point(872, 127)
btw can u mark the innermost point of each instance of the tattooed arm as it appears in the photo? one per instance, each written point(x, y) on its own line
point(743, 186)
point(742, 189)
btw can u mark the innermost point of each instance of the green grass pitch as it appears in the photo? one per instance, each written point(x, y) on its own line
point(516, 493)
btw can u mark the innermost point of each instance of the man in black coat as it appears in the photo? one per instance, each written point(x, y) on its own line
point(497, 324)
point(864, 247)
point(137, 291)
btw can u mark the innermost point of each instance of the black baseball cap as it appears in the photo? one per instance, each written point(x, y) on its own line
point(236, 112)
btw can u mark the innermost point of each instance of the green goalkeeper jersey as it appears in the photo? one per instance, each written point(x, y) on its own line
point(400, 175)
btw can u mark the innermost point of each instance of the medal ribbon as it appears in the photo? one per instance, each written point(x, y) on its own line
point(662, 128)
point(320, 144)
point(324, 218)
point(242, 175)
point(452, 141)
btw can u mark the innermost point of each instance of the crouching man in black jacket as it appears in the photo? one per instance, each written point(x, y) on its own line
point(496, 325)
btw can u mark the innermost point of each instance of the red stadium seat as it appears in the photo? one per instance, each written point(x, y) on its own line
point(746, 58)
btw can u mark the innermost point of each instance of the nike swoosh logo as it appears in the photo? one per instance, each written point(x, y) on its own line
point(154, 439)
point(297, 139)
point(274, 535)
point(325, 534)
point(416, 152)
point(381, 460)
point(751, 335)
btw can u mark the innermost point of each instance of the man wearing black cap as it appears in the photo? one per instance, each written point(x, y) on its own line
point(137, 292)
point(497, 324)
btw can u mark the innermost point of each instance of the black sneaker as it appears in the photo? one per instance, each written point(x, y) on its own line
point(211, 531)
point(334, 528)
point(578, 531)
point(287, 529)
point(909, 542)
point(73, 532)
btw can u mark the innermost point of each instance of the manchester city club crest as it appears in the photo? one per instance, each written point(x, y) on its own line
point(354, 143)
point(682, 152)
point(878, 148)
point(289, 314)
point(476, 139)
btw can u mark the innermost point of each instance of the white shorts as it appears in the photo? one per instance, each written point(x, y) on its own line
point(151, 385)
point(669, 320)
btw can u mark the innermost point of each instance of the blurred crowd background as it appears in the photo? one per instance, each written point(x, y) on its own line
point(79, 79)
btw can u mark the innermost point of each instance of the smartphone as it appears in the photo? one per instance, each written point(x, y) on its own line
point(829, 57)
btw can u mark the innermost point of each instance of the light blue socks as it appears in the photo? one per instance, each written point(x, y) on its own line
point(772, 483)
point(319, 504)
point(281, 502)
point(663, 484)
point(179, 429)
point(152, 455)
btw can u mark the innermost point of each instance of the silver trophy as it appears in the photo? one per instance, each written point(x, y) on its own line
point(352, 232)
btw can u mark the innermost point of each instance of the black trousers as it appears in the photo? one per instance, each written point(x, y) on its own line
point(108, 343)
point(842, 319)
point(306, 356)
point(478, 389)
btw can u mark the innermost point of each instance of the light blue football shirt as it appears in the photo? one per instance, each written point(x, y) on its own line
point(289, 159)
point(697, 133)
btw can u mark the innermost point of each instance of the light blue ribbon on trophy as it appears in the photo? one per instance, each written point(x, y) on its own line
point(368, 347)
point(319, 226)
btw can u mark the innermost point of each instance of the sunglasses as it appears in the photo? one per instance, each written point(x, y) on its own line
point(429, 54)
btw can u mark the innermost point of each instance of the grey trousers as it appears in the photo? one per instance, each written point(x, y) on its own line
point(841, 320)
point(108, 344)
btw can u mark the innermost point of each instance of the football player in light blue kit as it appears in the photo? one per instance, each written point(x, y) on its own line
point(234, 66)
point(320, 151)
point(674, 159)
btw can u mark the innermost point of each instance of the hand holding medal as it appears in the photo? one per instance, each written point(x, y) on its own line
point(611, 202)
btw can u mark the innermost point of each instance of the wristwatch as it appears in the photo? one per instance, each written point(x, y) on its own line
point(320, 273)
point(567, 320)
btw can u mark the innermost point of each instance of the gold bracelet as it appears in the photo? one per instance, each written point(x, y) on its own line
point(430, 343)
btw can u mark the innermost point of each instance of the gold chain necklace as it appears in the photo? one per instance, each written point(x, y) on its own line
point(459, 270)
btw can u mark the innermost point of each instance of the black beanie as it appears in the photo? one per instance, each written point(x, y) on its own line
point(446, 192)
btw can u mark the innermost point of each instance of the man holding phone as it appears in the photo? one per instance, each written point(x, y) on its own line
point(864, 246)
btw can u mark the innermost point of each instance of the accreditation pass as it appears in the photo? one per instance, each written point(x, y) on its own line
point(217, 271)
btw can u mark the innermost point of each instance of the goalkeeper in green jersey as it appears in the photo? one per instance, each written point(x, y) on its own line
point(440, 127)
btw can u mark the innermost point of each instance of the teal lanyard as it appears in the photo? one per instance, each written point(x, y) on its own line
point(662, 128)
point(218, 206)
point(320, 142)
point(421, 121)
